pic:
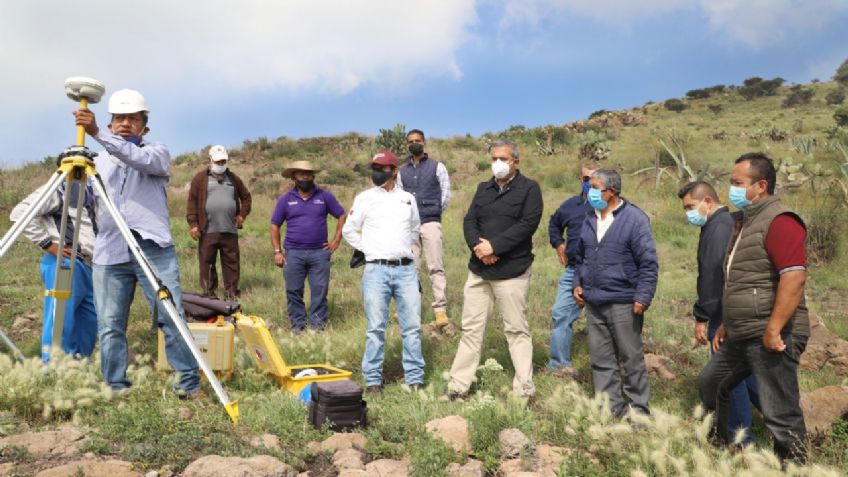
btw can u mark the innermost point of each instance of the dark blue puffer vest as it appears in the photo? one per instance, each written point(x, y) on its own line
point(421, 181)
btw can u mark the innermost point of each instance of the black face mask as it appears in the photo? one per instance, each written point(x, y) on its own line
point(305, 186)
point(416, 149)
point(380, 177)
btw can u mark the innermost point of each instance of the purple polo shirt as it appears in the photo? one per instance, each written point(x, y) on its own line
point(306, 220)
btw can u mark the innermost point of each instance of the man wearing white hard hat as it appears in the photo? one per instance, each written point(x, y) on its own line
point(218, 202)
point(135, 175)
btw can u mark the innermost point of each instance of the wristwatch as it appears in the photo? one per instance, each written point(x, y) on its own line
point(276, 251)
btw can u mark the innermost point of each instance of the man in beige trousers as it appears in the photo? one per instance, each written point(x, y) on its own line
point(499, 228)
point(427, 180)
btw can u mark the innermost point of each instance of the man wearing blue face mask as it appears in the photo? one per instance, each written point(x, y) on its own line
point(135, 174)
point(569, 216)
point(703, 210)
point(766, 323)
point(616, 282)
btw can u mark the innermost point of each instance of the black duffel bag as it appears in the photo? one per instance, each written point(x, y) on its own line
point(339, 403)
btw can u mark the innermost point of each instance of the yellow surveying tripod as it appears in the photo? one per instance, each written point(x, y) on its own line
point(76, 165)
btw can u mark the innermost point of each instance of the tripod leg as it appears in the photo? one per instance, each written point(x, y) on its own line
point(18, 227)
point(165, 298)
point(62, 285)
point(15, 351)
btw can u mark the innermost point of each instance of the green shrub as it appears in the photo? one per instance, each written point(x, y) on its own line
point(698, 93)
point(393, 139)
point(431, 457)
point(598, 113)
point(715, 108)
point(797, 96)
point(675, 105)
point(841, 75)
point(825, 226)
point(841, 117)
point(836, 96)
point(337, 176)
point(756, 87)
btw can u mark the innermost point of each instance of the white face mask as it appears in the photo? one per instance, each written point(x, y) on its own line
point(500, 169)
point(218, 169)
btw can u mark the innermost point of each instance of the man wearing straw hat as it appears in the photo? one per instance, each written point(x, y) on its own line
point(306, 251)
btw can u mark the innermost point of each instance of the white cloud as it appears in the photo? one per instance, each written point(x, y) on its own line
point(751, 23)
point(329, 46)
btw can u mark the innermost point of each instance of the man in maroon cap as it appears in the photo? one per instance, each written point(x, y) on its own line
point(384, 223)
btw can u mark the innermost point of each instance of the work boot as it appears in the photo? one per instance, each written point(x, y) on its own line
point(198, 395)
point(442, 319)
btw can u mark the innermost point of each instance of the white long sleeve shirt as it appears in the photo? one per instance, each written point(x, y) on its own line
point(382, 224)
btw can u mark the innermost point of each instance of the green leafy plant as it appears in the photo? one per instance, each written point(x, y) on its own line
point(675, 105)
point(393, 139)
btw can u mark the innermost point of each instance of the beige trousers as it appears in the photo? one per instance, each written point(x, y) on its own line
point(511, 297)
point(431, 242)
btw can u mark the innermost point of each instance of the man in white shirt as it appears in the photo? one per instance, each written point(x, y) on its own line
point(383, 223)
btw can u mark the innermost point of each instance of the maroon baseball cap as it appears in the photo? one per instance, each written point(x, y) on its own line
point(385, 158)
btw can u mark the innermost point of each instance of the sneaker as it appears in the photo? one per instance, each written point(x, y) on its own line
point(441, 319)
point(374, 390)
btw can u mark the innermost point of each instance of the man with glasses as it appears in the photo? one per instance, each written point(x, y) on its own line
point(383, 224)
point(306, 251)
point(218, 202)
point(135, 173)
point(616, 282)
point(498, 228)
point(570, 217)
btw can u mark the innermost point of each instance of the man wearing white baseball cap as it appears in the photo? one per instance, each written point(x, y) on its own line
point(218, 202)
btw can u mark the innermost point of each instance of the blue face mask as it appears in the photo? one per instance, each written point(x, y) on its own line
point(586, 187)
point(135, 140)
point(737, 197)
point(595, 200)
point(695, 218)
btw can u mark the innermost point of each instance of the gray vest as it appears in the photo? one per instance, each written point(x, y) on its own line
point(751, 285)
point(422, 182)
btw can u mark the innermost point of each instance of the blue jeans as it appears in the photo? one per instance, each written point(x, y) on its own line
point(381, 283)
point(79, 331)
point(741, 398)
point(114, 287)
point(564, 313)
point(301, 264)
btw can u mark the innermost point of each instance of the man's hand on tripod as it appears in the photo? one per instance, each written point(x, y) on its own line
point(86, 119)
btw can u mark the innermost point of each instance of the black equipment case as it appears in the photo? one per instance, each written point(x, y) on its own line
point(340, 403)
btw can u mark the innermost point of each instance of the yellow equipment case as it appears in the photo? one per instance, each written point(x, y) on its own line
point(215, 341)
point(265, 353)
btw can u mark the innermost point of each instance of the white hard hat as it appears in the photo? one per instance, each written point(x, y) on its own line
point(218, 153)
point(127, 101)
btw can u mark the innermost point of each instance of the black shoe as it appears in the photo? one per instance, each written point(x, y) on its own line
point(455, 396)
point(416, 387)
point(375, 390)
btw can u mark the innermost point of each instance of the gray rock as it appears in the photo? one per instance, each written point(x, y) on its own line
point(824, 349)
point(472, 468)
point(110, 468)
point(453, 430)
point(387, 468)
point(349, 459)
point(660, 366)
point(256, 466)
point(513, 442)
point(63, 442)
point(823, 407)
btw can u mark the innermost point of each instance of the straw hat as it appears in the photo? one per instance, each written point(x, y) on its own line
point(299, 166)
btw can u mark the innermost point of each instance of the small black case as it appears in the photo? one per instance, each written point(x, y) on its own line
point(340, 403)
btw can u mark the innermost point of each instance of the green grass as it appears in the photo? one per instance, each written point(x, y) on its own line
point(143, 428)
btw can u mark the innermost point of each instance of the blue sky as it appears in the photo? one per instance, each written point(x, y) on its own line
point(216, 73)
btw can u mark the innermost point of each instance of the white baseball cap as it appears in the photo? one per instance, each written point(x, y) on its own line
point(218, 153)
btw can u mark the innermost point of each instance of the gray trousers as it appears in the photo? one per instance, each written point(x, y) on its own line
point(615, 341)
